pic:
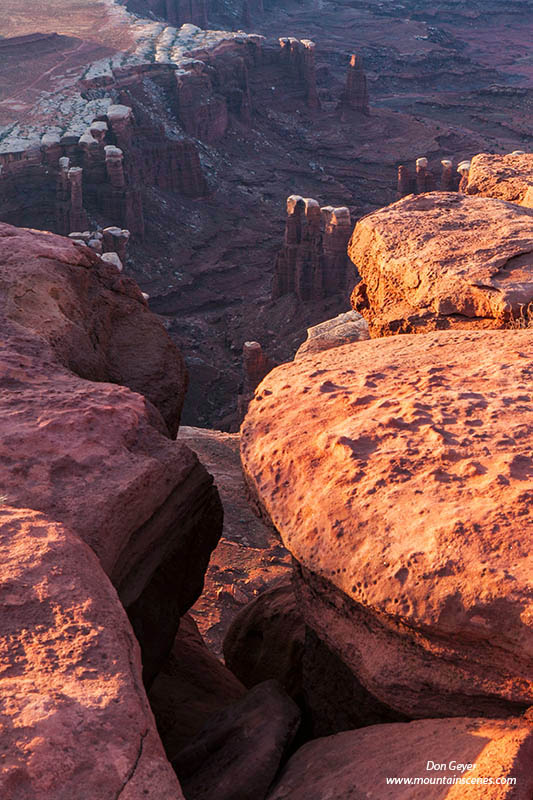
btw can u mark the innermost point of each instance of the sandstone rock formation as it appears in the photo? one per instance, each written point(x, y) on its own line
point(396, 472)
point(269, 639)
point(355, 94)
point(191, 686)
point(299, 58)
point(508, 177)
point(239, 750)
point(443, 261)
point(424, 180)
point(343, 329)
point(95, 159)
point(75, 719)
point(93, 340)
point(313, 262)
point(494, 755)
point(81, 447)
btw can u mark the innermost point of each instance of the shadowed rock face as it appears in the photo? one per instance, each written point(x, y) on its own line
point(191, 686)
point(397, 473)
point(238, 752)
point(443, 260)
point(356, 764)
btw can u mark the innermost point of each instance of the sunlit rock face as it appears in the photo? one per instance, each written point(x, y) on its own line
point(443, 260)
point(105, 514)
point(396, 473)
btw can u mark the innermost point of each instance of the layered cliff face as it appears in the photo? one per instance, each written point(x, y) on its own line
point(107, 513)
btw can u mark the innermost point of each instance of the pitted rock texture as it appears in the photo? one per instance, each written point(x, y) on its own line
point(443, 260)
point(398, 473)
point(75, 720)
point(509, 177)
point(356, 765)
point(343, 329)
point(94, 455)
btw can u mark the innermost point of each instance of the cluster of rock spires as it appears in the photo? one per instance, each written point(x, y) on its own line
point(424, 180)
point(313, 262)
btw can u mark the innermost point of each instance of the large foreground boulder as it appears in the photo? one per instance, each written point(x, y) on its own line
point(101, 497)
point(74, 717)
point(94, 318)
point(398, 473)
point(509, 177)
point(443, 260)
point(444, 759)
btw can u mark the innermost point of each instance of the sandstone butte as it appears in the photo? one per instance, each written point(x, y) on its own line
point(443, 260)
point(398, 474)
point(90, 390)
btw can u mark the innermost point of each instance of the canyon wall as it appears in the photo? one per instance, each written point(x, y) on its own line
point(134, 128)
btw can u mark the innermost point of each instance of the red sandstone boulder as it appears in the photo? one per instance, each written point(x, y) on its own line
point(74, 717)
point(481, 758)
point(443, 260)
point(191, 686)
point(508, 177)
point(398, 474)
